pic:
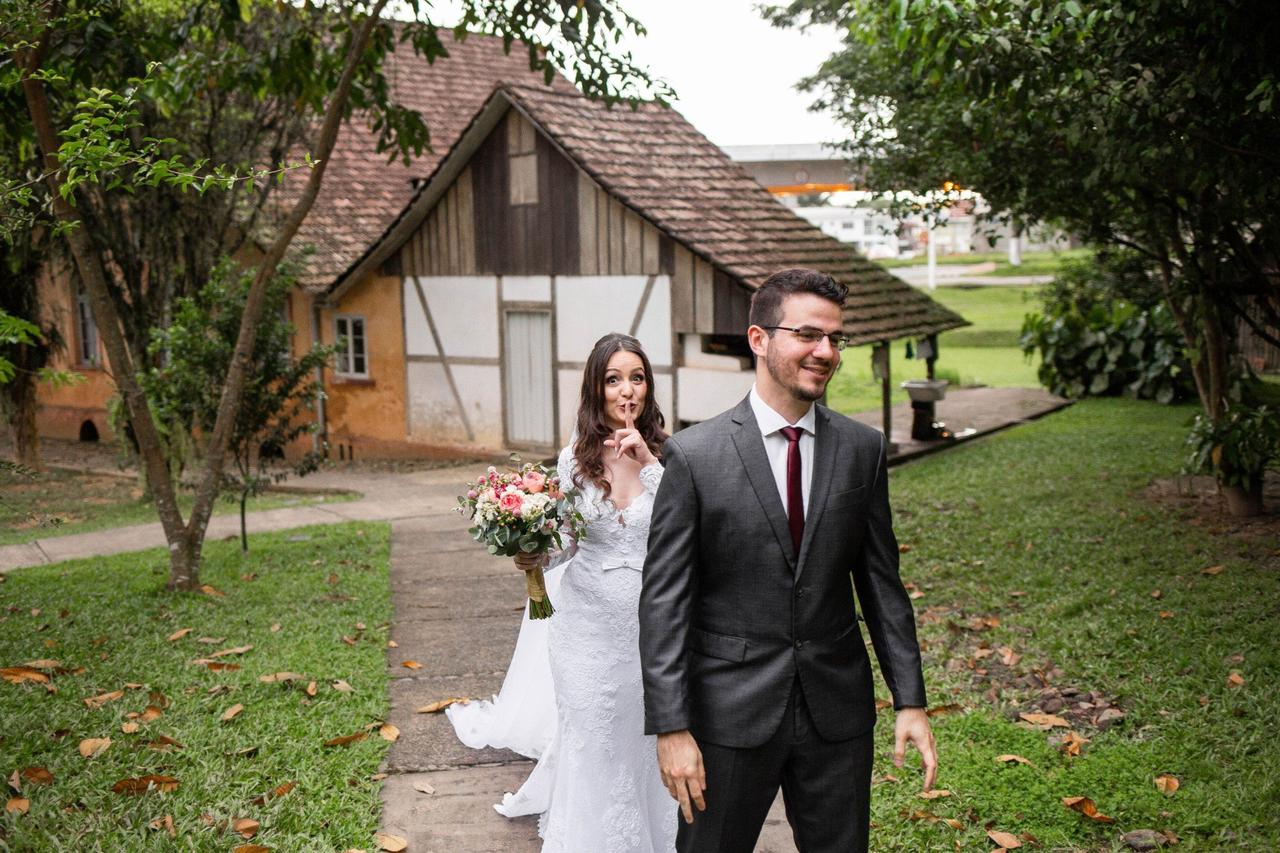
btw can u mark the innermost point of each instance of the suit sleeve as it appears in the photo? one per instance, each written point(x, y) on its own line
point(666, 596)
point(884, 602)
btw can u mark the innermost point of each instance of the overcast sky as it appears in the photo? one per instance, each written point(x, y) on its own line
point(734, 73)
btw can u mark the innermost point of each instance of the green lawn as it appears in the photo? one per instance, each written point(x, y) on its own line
point(57, 503)
point(985, 353)
point(106, 622)
point(1033, 263)
point(1045, 531)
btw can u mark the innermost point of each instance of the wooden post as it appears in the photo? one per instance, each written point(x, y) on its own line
point(932, 360)
point(880, 368)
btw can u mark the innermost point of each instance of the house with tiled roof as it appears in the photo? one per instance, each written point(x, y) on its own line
point(468, 287)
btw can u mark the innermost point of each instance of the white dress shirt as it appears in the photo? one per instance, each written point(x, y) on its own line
point(775, 445)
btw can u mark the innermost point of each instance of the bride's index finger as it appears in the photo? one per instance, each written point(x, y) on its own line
point(631, 416)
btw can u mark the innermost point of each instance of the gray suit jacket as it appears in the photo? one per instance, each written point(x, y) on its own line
point(729, 615)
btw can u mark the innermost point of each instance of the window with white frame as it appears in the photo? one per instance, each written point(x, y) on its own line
point(86, 331)
point(352, 357)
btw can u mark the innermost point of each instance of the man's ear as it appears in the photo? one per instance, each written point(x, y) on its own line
point(758, 338)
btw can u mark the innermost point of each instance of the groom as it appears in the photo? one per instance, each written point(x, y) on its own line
point(755, 670)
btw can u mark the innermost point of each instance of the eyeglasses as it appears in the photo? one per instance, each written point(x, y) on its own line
point(811, 336)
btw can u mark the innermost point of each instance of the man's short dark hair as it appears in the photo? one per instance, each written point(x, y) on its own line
point(766, 303)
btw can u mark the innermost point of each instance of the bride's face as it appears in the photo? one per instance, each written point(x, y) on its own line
point(625, 388)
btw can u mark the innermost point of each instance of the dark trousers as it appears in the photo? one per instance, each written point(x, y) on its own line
point(826, 786)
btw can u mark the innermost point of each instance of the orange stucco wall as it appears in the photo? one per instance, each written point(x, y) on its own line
point(366, 417)
point(64, 410)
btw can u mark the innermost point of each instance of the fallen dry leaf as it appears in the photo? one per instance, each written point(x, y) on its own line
point(1166, 784)
point(151, 712)
point(423, 787)
point(392, 644)
point(250, 848)
point(881, 704)
point(411, 664)
point(934, 794)
point(1155, 593)
point(440, 705)
point(129, 728)
point(1086, 807)
point(1007, 840)
point(163, 743)
point(345, 740)
point(43, 663)
point(165, 823)
point(1071, 743)
point(246, 826)
point(1166, 614)
point(232, 712)
point(389, 732)
point(1213, 570)
point(207, 589)
point(275, 627)
point(342, 686)
point(92, 747)
point(17, 805)
point(275, 793)
point(1235, 679)
point(1005, 759)
point(311, 688)
point(1147, 839)
point(143, 784)
point(103, 698)
point(215, 665)
point(37, 775)
point(238, 650)
point(390, 843)
point(950, 708)
point(1045, 721)
point(178, 634)
point(19, 674)
point(280, 676)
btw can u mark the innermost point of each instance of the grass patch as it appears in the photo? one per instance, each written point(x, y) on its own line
point(58, 503)
point(1054, 510)
point(985, 353)
point(112, 616)
point(1033, 263)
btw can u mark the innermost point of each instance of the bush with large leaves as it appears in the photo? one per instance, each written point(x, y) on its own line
point(1103, 332)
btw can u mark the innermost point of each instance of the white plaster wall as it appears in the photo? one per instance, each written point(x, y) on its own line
point(433, 412)
point(465, 311)
point(588, 307)
point(526, 288)
point(706, 393)
point(569, 385)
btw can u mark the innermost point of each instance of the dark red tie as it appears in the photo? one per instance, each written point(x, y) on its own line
point(795, 496)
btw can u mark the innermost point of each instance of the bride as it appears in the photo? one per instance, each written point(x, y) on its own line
point(572, 697)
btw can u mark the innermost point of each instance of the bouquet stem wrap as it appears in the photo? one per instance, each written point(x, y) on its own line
point(536, 585)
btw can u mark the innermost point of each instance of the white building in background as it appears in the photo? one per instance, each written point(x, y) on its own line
point(814, 180)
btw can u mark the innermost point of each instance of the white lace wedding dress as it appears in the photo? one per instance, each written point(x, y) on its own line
point(573, 697)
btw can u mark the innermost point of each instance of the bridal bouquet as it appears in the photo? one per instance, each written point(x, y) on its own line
point(522, 510)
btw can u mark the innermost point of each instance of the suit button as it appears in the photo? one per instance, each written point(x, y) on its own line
point(800, 592)
point(799, 644)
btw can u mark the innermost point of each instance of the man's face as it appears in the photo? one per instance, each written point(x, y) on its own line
point(798, 368)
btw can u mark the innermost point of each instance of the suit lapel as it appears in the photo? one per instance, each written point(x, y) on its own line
point(750, 445)
point(826, 444)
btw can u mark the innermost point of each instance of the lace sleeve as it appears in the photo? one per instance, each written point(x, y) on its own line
point(651, 476)
point(564, 471)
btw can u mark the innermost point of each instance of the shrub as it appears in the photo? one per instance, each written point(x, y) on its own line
point(1104, 331)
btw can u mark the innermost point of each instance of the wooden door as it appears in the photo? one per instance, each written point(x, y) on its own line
point(530, 394)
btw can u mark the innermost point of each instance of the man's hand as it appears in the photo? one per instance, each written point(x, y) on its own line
point(680, 762)
point(913, 725)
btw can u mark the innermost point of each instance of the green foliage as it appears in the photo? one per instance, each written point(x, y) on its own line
point(194, 353)
point(14, 330)
point(1239, 447)
point(1104, 332)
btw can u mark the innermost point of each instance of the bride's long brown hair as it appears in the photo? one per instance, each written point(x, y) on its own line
point(592, 429)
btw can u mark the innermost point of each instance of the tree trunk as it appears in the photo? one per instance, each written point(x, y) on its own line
point(1244, 501)
point(182, 572)
point(244, 529)
point(21, 408)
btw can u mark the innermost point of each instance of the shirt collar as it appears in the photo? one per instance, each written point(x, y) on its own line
point(770, 421)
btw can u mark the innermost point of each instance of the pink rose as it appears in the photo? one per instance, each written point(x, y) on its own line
point(555, 494)
point(472, 494)
point(534, 482)
point(511, 502)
